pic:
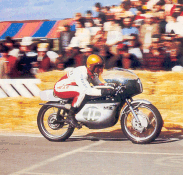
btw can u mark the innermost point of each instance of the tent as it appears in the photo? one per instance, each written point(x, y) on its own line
point(35, 29)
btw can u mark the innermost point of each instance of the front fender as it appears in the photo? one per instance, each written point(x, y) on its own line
point(134, 102)
point(141, 101)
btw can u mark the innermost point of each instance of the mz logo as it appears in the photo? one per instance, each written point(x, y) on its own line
point(91, 114)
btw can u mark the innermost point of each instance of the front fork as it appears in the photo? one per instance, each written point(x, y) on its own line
point(133, 112)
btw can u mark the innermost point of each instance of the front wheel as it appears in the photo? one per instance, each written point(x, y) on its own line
point(149, 127)
point(52, 128)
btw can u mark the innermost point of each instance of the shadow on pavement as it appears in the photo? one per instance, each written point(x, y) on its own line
point(117, 135)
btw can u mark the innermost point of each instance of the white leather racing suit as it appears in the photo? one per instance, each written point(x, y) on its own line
point(76, 84)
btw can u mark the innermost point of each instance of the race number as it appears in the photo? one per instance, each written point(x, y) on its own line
point(92, 114)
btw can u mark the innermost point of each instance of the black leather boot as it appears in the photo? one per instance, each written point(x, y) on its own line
point(71, 120)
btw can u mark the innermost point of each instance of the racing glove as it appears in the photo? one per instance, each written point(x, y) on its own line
point(111, 84)
point(107, 92)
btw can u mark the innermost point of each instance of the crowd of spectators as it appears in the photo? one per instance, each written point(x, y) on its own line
point(26, 58)
point(136, 34)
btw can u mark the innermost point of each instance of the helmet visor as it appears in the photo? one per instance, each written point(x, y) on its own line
point(98, 69)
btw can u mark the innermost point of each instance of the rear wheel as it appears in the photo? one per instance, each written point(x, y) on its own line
point(149, 127)
point(52, 128)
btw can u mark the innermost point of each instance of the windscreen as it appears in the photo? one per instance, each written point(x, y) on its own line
point(118, 76)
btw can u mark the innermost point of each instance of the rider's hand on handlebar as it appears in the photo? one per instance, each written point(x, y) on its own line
point(111, 84)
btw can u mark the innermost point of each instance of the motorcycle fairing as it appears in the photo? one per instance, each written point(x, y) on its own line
point(130, 81)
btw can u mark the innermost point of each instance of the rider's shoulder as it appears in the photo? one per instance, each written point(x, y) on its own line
point(76, 69)
point(82, 68)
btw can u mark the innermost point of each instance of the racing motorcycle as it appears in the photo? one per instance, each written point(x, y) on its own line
point(140, 120)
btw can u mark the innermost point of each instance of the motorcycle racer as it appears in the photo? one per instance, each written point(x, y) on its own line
point(76, 85)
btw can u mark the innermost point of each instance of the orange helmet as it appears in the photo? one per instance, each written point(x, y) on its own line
point(93, 61)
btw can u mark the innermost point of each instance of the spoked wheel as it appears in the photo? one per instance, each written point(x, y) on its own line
point(52, 128)
point(149, 127)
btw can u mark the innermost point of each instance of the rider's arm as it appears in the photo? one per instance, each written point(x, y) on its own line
point(96, 81)
point(81, 80)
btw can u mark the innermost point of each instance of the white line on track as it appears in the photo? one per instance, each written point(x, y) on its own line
point(31, 173)
point(43, 163)
point(20, 135)
point(142, 153)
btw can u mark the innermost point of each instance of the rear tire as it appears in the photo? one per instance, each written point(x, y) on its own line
point(151, 123)
point(50, 128)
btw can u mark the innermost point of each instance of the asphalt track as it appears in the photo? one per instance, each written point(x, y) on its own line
point(91, 154)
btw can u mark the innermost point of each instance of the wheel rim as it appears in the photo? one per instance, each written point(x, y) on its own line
point(149, 127)
point(50, 126)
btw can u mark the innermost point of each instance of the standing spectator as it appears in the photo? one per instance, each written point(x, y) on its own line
point(89, 20)
point(13, 67)
point(101, 15)
point(162, 21)
point(173, 58)
point(26, 58)
point(155, 59)
point(171, 26)
point(125, 9)
point(174, 26)
point(125, 59)
point(92, 28)
point(82, 35)
point(168, 40)
point(99, 39)
point(121, 13)
point(65, 37)
point(98, 21)
point(134, 47)
point(108, 24)
point(78, 58)
point(106, 10)
point(53, 57)
point(10, 64)
point(128, 29)
point(43, 63)
point(156, 40)
point(114, 25)
point(73, 58)
point(3, 62)
point(89, 17)
point(133, 7)
point(11, 45)
point(146, 31)
point(157, 7)
point(114, 36)
point(107, 56)
point(139, 6)
point(77, 16)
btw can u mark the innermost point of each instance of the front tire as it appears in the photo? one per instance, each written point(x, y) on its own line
point(50, 128)
point(150, 123)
